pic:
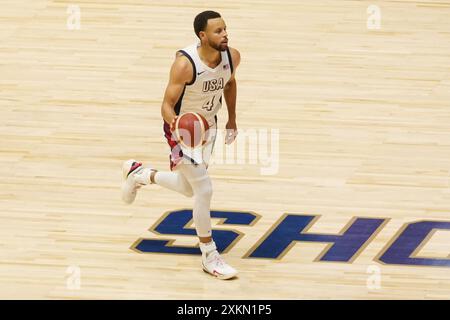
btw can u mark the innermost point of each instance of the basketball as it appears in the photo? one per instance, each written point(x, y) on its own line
point(191, 129)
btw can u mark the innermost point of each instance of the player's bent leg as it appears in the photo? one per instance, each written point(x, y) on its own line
point(135, 176)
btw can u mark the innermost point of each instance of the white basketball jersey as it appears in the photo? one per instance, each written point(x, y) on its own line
point(204, 94)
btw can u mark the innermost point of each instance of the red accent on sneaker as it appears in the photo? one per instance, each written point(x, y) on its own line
point(134, 167)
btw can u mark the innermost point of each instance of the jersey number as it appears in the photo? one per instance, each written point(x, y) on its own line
point(209, 105)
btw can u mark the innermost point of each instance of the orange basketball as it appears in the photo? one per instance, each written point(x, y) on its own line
point(191, 129)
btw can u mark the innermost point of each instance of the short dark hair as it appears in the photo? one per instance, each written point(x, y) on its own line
point(201, 20)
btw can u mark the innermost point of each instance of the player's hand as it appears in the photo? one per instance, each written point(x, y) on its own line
point(231, 132)
point(172, 124)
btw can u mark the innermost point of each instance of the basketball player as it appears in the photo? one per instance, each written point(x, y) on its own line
point(200, 74)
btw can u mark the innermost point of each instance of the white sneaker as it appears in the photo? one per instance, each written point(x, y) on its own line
point(134, 176)
point(213, 263)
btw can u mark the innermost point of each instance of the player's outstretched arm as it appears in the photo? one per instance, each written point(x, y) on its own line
point(230, 93)
point(181, 73)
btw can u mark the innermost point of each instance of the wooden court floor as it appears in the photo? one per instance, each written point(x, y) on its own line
point(363, 121)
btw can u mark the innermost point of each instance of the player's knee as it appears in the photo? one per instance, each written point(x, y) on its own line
point(205, 191)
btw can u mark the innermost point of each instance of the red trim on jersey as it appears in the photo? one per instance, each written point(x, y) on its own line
point(176, 154)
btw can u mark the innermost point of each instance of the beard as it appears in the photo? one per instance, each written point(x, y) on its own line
point(218, 47)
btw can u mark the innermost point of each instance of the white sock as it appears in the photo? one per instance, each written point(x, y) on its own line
point(207, 248)
point(142, 175)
